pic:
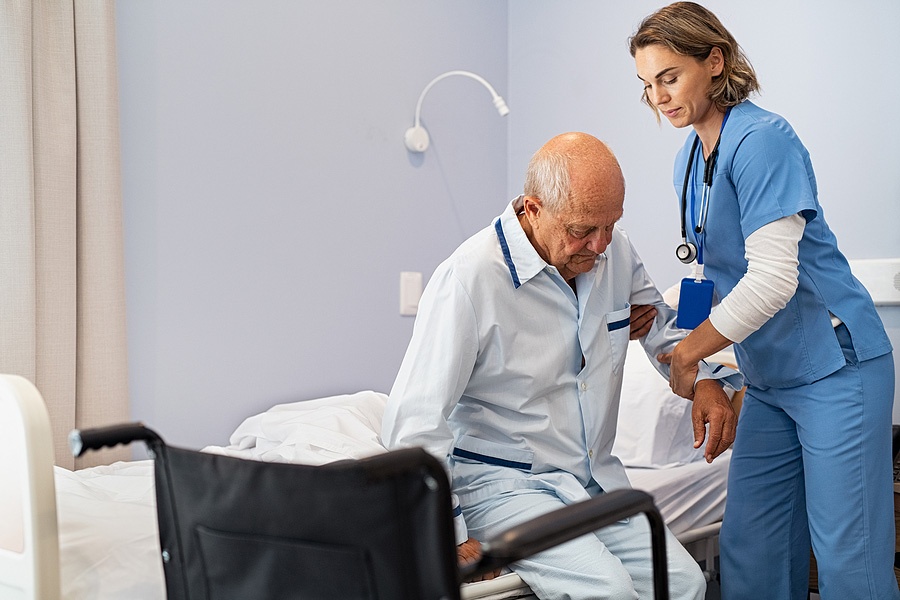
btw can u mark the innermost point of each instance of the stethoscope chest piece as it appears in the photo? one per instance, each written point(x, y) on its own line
point(686, 252)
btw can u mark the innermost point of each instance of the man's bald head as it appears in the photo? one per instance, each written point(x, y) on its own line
point(574, 193)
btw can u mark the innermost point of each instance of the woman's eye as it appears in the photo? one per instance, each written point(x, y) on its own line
point(670, 81)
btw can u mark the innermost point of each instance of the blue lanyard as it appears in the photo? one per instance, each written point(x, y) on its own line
point(708, 172)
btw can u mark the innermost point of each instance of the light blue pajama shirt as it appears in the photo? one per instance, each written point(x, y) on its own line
point(494, 382)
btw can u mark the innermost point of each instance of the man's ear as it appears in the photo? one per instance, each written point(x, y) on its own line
point(532, 206)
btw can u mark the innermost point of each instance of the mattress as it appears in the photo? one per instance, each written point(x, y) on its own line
point(109, 549)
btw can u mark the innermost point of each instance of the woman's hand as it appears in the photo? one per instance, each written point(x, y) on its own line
point(682, 372)
point(684, 360)
point(642, 316)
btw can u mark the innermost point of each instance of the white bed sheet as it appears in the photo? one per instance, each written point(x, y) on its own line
point(109, 547)
point(688, 496)
point(108, 537)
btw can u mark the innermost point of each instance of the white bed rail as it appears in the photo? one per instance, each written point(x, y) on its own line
point(29, 546)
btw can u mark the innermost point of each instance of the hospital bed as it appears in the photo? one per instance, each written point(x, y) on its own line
point(103, 542)
point(377, 527)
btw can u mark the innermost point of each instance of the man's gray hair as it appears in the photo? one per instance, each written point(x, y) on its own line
point(547, 178)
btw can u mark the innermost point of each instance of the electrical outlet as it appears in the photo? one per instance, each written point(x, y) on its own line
point(410, 292)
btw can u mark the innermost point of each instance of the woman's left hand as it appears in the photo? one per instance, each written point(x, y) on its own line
point(682, 373)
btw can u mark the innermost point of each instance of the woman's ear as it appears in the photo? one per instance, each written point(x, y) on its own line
point(715, 61)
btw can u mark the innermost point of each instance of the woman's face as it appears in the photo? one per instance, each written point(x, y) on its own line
point(678, 86)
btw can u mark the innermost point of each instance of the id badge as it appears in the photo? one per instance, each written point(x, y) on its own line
point(694, 302)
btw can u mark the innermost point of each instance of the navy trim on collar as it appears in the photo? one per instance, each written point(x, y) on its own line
point(506, 255)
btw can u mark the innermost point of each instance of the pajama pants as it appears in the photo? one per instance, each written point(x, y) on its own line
point(612, 563)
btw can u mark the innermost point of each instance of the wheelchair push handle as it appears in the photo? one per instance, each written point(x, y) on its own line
point(82, 440)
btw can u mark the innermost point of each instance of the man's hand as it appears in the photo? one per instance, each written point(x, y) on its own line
point(711, 405)
point(469, 552)
point(642, 316)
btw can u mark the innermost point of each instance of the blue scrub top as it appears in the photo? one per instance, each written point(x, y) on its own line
point(763, 173)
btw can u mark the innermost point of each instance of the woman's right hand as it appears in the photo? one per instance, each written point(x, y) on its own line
point(642, 316)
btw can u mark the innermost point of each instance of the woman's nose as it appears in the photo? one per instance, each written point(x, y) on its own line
point(657, 96)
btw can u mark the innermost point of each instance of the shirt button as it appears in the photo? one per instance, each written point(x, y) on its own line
point(583, 386)
point(591, 453)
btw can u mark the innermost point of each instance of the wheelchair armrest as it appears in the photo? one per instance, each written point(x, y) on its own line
point(552, 529)
point(82, 440)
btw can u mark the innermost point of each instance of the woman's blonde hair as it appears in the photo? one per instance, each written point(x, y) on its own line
point(688, 29)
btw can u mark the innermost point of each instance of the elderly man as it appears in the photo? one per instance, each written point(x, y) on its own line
point(513, 374)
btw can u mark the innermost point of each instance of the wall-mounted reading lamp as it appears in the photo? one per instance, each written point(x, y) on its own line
point(416, 137)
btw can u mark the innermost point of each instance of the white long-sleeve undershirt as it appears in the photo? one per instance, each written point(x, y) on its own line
point(772, 254)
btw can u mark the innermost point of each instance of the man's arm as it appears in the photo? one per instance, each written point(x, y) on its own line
point(432, 378)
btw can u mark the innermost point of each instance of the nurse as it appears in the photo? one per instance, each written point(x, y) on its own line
point(812, 459)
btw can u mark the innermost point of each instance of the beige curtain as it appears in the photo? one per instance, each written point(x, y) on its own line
point(62, 299)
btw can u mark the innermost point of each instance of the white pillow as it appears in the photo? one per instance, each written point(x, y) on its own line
point(654, 427)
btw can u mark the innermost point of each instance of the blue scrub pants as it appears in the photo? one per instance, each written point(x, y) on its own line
point(613, 563)
point(812, 465)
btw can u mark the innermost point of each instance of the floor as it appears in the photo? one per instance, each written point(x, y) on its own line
point(712, 591)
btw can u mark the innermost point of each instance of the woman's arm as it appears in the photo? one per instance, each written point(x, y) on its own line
point(768, 285)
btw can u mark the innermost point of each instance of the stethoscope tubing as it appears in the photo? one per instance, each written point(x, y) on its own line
point(688, 251)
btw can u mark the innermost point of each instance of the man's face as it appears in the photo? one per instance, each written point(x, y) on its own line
point(571, 238)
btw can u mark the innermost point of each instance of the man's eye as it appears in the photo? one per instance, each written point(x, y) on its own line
point(579, 234)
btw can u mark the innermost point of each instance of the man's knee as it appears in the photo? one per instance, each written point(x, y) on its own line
point(686, 579)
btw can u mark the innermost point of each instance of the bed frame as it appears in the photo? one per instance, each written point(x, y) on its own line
point(29, 547)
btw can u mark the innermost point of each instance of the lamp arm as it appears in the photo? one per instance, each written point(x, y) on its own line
point(498, 100)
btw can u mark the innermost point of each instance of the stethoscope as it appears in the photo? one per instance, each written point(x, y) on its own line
point(687, 251)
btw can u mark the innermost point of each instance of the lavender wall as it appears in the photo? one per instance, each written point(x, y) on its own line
point(270, 203)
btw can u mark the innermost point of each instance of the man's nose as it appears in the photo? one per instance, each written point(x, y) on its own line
point(599, 241)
